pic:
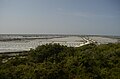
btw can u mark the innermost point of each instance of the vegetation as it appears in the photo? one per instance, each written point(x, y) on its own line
point(54, 61)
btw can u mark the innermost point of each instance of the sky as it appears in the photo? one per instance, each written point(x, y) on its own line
point(91, 17)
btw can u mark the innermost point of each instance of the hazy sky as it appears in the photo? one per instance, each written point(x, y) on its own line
point(60, 16)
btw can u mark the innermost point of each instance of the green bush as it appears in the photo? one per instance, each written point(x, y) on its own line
point(53, 61)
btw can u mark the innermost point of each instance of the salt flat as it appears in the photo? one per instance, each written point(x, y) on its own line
point(103, 40)
point(15, 43)
point(25, 44)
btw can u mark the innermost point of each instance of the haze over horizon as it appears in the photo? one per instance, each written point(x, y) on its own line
point(98, 17)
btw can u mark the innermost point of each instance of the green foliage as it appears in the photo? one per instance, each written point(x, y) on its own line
point(53, 61)
point(46, 52)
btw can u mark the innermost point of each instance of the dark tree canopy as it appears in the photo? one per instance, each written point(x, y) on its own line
point(53, 61)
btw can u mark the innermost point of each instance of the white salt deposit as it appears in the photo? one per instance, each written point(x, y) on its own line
point(25, 45)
